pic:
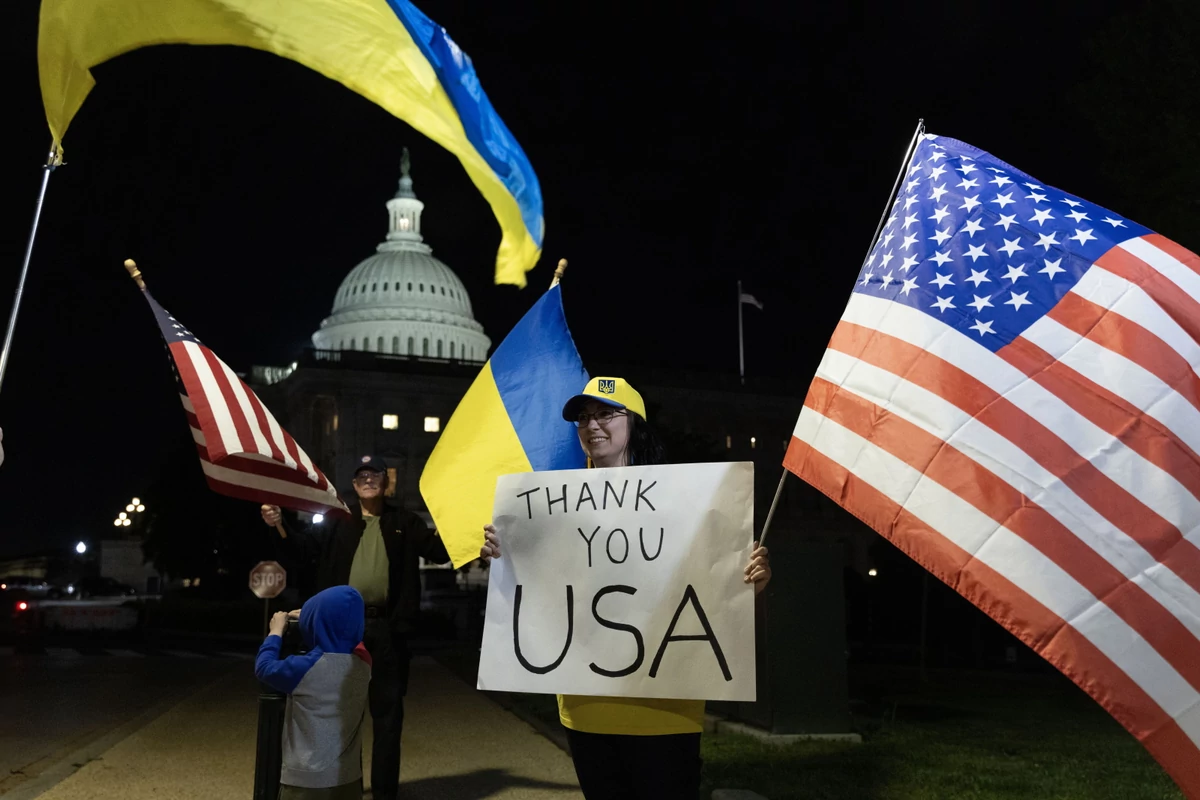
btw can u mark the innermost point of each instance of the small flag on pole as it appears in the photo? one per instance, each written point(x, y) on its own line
point(751, 300)
point(1011, 398)
point(744, 299)
point(243, 451)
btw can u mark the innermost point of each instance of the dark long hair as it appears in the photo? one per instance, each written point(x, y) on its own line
point(644, 447)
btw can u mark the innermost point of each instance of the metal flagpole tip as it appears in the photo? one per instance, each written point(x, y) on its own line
point(132, 268)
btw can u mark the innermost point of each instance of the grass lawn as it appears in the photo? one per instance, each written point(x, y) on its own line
point(966, 736)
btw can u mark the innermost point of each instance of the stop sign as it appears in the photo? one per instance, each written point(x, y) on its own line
point(267, 580)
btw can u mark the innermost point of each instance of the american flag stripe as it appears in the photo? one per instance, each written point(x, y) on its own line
point(249, 419)
point(242, 449)
point(1021, 411)
point(1135, 334)
point(244, 438)
point(195, 371)
point(260, 465)
point(1140, 604)
point(274, 443)
point(1124, 358)
point(1175, 263)
point(238, 481)
point(946, 424)
point(1108, 290)
point(273, 480)
point(1139, 266)
point(981, 539)
point(1078, 329)
point(1051, 636)
point(1012, 396)
point(1135, 429)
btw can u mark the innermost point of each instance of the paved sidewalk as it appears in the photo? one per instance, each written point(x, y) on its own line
point(458, 745)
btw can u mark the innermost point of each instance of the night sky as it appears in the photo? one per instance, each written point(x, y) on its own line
point(677, 153)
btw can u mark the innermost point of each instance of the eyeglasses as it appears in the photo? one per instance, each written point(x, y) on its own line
point(603, 416)
point(368, 477)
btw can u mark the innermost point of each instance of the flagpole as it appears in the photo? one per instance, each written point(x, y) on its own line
point(762, 537)
point(741, 346)
point(52, 162)
point(895, 186)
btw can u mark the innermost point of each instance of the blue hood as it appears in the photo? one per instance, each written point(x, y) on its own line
point(333, 620)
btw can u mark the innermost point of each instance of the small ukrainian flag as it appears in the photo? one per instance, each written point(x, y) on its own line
point(509, 421)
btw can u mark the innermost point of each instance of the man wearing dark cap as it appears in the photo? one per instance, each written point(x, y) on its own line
point(376, 550)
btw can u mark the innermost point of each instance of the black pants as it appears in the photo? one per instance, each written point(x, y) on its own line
point(618, 767)
point(389, 683)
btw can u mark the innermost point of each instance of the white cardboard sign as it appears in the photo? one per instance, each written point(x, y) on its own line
point(623, 582)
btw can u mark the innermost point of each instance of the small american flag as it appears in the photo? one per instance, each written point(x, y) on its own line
point(1012, 398)
point(243, 450)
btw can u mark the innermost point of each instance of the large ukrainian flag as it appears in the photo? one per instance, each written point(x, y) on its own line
point(386, 50)
point(510, 420)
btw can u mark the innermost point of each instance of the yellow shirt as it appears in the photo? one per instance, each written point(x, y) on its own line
point(630, 715)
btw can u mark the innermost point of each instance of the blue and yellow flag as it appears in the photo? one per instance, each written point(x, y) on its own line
point(386, 50)
point(509, 421)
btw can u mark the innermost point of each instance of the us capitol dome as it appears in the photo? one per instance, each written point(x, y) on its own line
point(402, 300)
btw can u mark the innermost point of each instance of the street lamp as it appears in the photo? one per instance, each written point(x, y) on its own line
point(872, 572)
point(81, 548)
point(124, 519)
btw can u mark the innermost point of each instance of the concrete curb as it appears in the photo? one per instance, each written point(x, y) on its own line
point(713, 724)
point(73, 761)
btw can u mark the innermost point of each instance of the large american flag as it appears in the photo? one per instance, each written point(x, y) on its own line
point(1011, 397)
point(243, 451)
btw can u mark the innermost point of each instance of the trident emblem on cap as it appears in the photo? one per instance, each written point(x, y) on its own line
point(608, 386)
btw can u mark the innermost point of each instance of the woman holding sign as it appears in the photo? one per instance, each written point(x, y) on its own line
point(629, 747)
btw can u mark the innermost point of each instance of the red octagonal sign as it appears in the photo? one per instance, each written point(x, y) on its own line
point(267, 579)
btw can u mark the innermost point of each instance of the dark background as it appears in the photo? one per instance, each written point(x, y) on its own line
point(678, 151)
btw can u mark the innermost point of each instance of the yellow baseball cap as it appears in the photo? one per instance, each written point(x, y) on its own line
point(615, 392)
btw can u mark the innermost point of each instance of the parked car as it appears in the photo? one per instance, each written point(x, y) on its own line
point(104, 587)
point(35, 587)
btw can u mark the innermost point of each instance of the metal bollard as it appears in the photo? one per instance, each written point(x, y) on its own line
point(268, 756)
point(272, 705)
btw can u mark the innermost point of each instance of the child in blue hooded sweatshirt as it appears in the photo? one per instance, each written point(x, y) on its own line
point(327, 696)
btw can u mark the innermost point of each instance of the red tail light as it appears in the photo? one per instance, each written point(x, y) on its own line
point(22, 606)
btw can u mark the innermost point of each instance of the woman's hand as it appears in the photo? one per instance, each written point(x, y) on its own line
point(758, 571)
point(491, 543)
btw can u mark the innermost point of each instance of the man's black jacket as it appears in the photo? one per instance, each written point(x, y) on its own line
point(405, 537)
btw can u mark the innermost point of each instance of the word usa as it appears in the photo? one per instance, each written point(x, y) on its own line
point(689, 598)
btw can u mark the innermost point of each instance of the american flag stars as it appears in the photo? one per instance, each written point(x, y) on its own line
point(966, 228)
